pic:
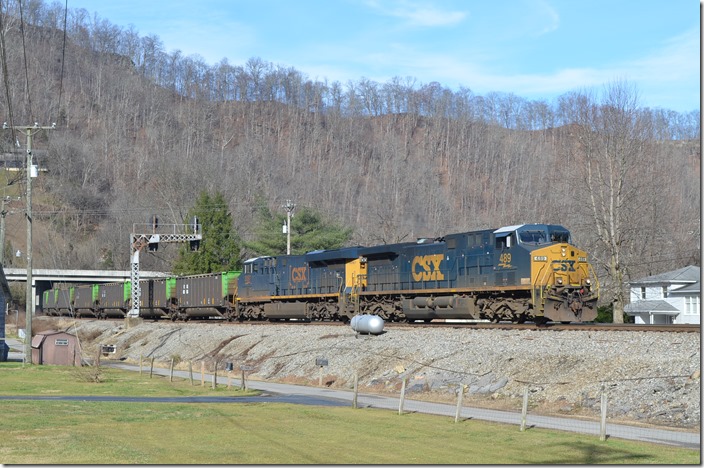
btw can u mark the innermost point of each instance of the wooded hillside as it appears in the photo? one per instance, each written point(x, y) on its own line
point(141, 131)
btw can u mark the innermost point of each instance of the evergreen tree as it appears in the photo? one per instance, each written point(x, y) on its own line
point(308, 232)
point(219, 249)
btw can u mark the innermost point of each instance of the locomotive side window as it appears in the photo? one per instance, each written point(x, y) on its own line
point(505, 240)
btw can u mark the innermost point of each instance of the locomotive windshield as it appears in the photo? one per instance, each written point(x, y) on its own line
point(559, 235)
point(538, 234)
point(533, 237)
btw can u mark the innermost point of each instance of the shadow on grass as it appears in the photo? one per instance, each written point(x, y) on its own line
point(586, 453)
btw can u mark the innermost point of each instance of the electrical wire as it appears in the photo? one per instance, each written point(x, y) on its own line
point(6, 75)
point(26, 68)
point(63, 60)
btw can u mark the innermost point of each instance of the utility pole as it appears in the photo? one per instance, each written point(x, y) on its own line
point(3, 212)
point(29, 131)
point(289, 206)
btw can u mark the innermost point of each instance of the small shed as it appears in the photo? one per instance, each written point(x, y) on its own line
point(56, 348)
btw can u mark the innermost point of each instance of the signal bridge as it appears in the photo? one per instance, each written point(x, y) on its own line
point(168, 233)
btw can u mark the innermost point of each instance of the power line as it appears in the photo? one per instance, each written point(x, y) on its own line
point(26, 68)
point(6, 76)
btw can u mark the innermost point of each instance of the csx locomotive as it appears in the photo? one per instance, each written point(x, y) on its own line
point(528, 272)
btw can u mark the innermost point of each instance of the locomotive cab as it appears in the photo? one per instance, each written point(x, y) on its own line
point(563, 283)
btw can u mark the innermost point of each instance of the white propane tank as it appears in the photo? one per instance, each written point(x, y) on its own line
point(372, 324)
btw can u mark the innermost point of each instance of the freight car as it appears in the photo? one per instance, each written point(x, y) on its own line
point(528, 272)
point(177, 298)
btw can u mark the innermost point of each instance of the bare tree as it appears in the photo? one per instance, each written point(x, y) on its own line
point(612, 150)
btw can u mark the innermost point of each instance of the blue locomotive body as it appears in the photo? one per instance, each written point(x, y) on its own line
point(516, 273)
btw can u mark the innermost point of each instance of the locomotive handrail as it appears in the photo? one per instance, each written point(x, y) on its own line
point(592, 274)
point(539, 281)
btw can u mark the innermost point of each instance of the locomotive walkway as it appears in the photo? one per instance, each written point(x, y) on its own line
point(287, 393)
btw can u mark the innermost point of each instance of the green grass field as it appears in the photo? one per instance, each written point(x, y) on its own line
point(82, 432)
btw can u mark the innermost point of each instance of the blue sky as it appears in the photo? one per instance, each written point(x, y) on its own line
point(536, 49)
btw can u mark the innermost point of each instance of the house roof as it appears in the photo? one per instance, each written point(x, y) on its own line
point(689, 289)
point(688, 274)
point(661, 307)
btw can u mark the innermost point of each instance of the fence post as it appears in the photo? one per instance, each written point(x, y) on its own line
point(602, 432)
point(403, 397)
point(354, 398)
point(215, 375)
point(171, 371)
point(524, 412)
point(190, 371)
point(97, 358)
point(202, 373)
point(151, 368)
point(140, 363)
point(460, 396)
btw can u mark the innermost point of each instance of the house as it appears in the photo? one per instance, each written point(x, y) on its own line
point(5, 298)
point(672, 297)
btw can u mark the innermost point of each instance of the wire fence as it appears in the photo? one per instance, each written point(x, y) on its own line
point(600, 413)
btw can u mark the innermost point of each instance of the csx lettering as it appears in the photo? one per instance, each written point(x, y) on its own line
point(563, 265)
point(427, 268)
point(298, 275)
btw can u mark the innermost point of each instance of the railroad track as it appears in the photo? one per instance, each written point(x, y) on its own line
point(673, 328)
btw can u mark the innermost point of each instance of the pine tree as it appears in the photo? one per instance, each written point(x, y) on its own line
point(308, 232)
point(219, 249)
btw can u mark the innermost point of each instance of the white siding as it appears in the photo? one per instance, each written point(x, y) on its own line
point(688, 305)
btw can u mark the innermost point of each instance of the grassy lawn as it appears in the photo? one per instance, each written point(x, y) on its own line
point(81, 432)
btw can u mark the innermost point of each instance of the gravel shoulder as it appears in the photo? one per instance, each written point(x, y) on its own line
point(649, 377)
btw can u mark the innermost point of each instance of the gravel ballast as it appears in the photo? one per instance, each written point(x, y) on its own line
point(649, 377)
